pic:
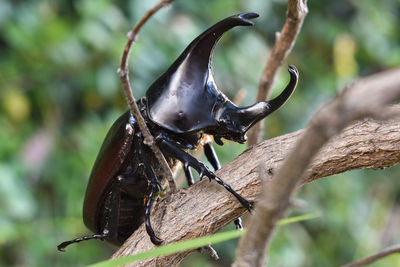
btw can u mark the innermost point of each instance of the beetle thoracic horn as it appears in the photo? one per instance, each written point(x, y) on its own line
point(188, 83)
point(200, 50)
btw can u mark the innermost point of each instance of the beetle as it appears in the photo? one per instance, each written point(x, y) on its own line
point(181, 107)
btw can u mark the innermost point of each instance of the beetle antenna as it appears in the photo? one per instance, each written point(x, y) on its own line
point(63, 245)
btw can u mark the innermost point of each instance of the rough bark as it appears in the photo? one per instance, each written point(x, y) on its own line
point(205, 208)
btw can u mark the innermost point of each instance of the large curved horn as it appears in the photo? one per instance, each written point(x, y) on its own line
point(200, 50)
point(184, 97)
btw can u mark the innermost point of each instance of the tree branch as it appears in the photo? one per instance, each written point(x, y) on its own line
point(365, 98)
point(384, 253)
point(295, 15)
point(123, 72)
point(205, 208)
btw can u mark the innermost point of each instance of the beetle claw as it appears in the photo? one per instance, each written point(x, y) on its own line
point(238, 224)
point(201, 174)
point(155, 240)
point(61, 247)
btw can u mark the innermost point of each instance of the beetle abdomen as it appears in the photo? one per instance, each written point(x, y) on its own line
point(129, 217)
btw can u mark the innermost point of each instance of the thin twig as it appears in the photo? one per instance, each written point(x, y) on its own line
point(123, 72)
point(362, 100)
point(296, 13)
point(384, 253)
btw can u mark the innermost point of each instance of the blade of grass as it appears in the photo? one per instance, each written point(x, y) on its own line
point(193, 243)
point(299, 218)
point(172, 248)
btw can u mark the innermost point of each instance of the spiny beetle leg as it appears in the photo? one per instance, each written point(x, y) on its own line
point(174, 151)
point(188, 174)
point(211, 155)
point(238, 224)
point(110, 229)
point(155, 187)
point(63, 245)
point(242, 201)
point(149, 229)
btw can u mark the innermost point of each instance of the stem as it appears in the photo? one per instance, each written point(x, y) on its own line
point(370, 259)
point(123, 72)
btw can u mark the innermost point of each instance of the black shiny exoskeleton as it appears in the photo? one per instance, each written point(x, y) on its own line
point(180, 107)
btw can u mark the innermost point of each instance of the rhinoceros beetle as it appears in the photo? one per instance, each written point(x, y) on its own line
point(181, 107)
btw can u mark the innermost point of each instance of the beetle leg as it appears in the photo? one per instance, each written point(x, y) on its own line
point(211, 155)
point(238, 224)
point(188, 174)
point(63, 245)
point(172, 150)
point(132, 187)
point(213, 159)
point(149, 229)
point(112, 220)
point(242, 200)
point(150, 198)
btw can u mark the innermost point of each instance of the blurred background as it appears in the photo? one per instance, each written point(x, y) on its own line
point(60, 93)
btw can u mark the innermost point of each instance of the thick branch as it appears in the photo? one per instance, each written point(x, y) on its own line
point(365, 98)
point(123, 72)
point(296, 13)
point(205, 208)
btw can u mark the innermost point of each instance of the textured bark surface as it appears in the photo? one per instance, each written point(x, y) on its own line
point(205, 208)
point(367, 145)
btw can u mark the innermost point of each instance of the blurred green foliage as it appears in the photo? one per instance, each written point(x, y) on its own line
point(59, 94)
